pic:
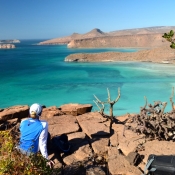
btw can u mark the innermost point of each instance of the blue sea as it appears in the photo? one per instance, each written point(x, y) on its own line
point(32, 73)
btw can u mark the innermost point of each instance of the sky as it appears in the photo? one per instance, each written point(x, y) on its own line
point(47, 19)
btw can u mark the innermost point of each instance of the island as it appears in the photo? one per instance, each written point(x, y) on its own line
point(7, 46)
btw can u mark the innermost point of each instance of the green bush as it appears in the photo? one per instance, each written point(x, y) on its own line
point(169, 37)
point(14, 162)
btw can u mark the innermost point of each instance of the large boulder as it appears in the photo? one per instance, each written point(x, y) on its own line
point(19, 111)
point(76, 109)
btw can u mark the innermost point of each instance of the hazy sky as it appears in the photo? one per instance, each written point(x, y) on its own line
point(46, 19)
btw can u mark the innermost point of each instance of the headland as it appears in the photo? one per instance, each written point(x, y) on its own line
point(153, 47)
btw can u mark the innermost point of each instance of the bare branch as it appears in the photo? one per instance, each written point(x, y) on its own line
point(145, 102)
point(101, 109)
point(109, 96)
point(118, 96)
point(99, 101)
point(171, 99)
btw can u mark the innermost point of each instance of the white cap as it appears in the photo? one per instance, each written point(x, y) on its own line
point(35, 108)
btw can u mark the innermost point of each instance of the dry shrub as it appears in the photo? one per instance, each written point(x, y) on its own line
point(14, 162)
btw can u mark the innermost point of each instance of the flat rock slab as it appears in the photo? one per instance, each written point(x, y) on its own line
point(76, 109)
point(80, 149)
point(76, 138)
point(82, 152)
point(63, 124)
point(158, 148)
point(99, 145)
point(118, 165)
point(127, 143)
point(20, 111)
point(94, 124)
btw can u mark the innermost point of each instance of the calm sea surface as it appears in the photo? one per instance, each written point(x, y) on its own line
point(32, 73)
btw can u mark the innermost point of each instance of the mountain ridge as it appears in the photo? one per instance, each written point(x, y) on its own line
point(96, 33)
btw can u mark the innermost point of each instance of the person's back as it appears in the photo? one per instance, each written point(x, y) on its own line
point(34, 133)
point(30, 131)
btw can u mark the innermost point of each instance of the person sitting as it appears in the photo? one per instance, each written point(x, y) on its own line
point(34, 133)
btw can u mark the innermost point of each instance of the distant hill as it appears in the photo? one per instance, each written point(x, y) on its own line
point(65, 40)
point(147, 30)
point(113, 38)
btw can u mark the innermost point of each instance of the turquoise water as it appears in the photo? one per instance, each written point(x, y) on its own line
point(32, 73)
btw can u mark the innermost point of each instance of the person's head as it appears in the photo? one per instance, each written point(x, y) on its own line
point(35, 111)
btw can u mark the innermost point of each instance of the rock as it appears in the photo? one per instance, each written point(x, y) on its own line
point(14, 112)
point(76, 138)
point(50, 112)
point(95, 171)
point(76, 168)
point(81, 152)
point(57, 164)
point(118, 165)
point(133, 158)
point(76, 109)
point(99, 145)
point(80, 149)
point(158, 148)
point(114, 140)
point(63, 124)
point(8, 124)
point(1, 110)
point(127, 143)
point(94, 124)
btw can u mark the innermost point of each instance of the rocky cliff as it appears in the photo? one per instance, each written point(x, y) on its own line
point(99, 146)
point(141, 40)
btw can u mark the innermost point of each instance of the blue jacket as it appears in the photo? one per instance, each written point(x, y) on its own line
point(30, 131)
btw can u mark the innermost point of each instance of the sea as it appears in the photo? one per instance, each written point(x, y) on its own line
point(33, 73)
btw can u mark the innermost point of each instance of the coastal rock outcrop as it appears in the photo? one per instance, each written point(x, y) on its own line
point(19, 111)
point(162, 54)
point(7, 46)
point(97, 145)
point(76, 109)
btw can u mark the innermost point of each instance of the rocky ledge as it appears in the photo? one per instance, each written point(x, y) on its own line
point(7, 46)
point(97, 145)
